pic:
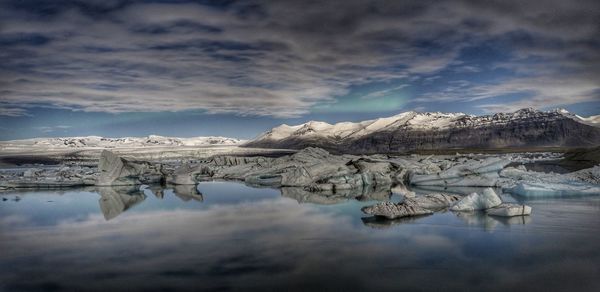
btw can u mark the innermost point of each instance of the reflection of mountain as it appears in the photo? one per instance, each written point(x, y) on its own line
point(116, 200)
point(187, 192)
point(340, 196)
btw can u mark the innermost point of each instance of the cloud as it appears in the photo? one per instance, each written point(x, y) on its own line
point(12, 112)
point(50, 129)
point(541, 92)
point(271, 58)
point(384, 92)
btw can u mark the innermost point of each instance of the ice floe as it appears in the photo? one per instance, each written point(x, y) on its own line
point(483, 173)
point(391, 210)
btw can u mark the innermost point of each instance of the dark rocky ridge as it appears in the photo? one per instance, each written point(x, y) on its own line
point(522, 129)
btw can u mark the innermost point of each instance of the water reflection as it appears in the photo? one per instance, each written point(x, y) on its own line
point(450, 190)
point(241, 238)
point(187, 193)
point(382, 223)
point(490, 223)
point(329, 198)
point(116, 200)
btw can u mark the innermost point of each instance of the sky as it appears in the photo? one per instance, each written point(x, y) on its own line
point(237, 68)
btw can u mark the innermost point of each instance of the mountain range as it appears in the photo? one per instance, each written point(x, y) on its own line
point(434, 130)
point(103, 142)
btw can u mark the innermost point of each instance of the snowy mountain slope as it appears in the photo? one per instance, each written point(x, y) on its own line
point(125, 142)
point(346, 130)
point(591, 120)
point(434, 130)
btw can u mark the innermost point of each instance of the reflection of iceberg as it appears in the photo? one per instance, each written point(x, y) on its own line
point(450, 190)
point(116, 200)
point(516, 220)
point(491, 222)
point(303, 196)
point(187, 192)
point(375, 194)
point(183, 192)
point(329, 197)
point(478, 219)
point(159, 193)
point(380, 223)
point(156, 191)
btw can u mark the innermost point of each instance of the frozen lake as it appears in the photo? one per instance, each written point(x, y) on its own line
point(235, 237)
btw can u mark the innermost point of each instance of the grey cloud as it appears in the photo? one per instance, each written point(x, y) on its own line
point(542, 92)
point(12, 112)
point(266, 57)
point(50, 129)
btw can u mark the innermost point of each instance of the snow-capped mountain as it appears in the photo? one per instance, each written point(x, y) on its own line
point(435, 130)
point(101, 142)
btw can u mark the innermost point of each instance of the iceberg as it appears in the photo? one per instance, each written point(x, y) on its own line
point(545, 189)
point(434, 201)
point(390, 210)
point(531, 184)
point(482, 173)
point(115, 171)
point(476, 202)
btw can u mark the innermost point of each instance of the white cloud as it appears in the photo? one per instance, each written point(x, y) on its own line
point(12, 112)
point(50, 129)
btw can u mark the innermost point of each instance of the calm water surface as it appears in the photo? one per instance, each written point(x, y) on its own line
point(234, 237)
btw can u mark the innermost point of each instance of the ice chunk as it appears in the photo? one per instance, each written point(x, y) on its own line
point(483, 173)
point(532, 184)
point(390, 210)
point(32, 172)
point(115, 170)
point(545, 189)
point(474, 202)
point(401, 189)
point(434, 201)
point(589, 175)
point(509, 210)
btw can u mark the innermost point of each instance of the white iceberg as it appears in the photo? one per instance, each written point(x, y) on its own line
point(434, 201)
point(531, 184)
point(545, 189)
point(482, 173)
point(391, 210)
point(476, 202)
